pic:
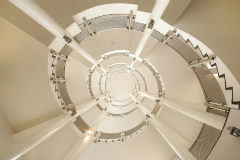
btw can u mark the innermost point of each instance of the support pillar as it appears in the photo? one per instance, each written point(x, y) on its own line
point(26, 140)
point(176, 142)
point(88, 105)
point(80, 148)
point(186, 109)
point(157, 12)
point(40, 16)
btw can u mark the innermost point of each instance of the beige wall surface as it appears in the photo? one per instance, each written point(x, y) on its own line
point(25, 95)
point(216, 23)
point(5, 132)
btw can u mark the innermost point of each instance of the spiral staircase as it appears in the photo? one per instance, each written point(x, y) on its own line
point(128, 85)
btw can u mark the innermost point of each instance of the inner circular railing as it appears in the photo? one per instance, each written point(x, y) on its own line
point(135, 73)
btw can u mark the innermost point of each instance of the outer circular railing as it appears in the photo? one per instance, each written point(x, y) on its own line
point(189, 52)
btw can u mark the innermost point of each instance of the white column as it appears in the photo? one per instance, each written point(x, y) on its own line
point(178, 143)
point(75, 46)
point(146, 35)
point(173, 139)
point(145, 94)
point(158, 10)
point(98, 120)
point(202, 116)
point(186, 109)
point(80, 148)
point(88, 105)
point(41, 17)
point(28, 139)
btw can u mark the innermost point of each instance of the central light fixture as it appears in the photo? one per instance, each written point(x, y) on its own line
point(89, 132)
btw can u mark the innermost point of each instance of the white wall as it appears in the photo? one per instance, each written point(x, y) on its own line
point(5, 132)
point(215, 23)
point(25, 95)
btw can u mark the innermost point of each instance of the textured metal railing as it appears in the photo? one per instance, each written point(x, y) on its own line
point(208, 136)
point(211, 87)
